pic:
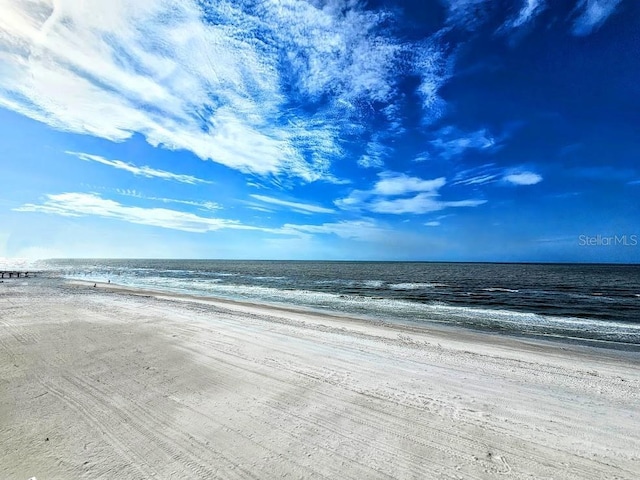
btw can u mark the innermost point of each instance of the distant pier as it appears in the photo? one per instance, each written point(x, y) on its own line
point(14, 273)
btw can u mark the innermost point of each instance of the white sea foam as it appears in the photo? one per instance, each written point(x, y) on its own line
point(411, 286)
point(389, 309)
point(497, 289)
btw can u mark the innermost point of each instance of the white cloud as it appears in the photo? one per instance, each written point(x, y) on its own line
point(419, 204)
point(470, 15)
point(480, 175)
point(392, 183)
point(206, 205)
point(143, 171)
point(212, 78)
point(388, 195)
point(523, 178)
point(87, 204)
point(354, 201)
point(434, 223)
point(489, 173)
point(435, 67)
point(478, 180)
point(422, 157)
point(332, 48)
point(110, 69)
point(297, 206)
point(375, 154)
point(260, 209)
point(450, 142)
point(361, 230)
point(530, 9)
point(592, 14)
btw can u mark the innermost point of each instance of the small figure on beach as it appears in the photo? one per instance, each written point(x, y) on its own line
point(95, 285)
point(108, 281)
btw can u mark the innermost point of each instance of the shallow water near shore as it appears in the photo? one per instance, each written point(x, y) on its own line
point(594, 303)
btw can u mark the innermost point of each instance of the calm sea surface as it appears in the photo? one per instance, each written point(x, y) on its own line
point(595, 303)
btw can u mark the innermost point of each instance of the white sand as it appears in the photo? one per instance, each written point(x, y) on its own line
point(101, 383)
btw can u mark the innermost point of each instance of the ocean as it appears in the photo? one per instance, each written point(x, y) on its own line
point(595, 304)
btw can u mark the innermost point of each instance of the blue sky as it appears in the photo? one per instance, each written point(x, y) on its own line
point(455, 130)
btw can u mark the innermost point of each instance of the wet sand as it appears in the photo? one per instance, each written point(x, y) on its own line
point(108, 382)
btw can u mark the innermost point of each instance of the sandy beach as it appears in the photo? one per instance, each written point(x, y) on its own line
point(107, 382)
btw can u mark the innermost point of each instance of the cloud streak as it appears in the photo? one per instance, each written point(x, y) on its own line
point(365, 230)
point(88, 204)
point(296, 206)
point(523, 178)
point(92, 205)
point(396, 193)
point(392, 183)
point(528, 12)
point(419, 204)
point(591, 15)
point(588, 15)
point(143, 171)
point(450, 142)
point(487, 174)
point(206, 205)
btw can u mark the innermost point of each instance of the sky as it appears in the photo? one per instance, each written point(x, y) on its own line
point(437, 130)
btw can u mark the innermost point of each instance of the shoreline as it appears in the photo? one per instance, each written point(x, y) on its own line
point(112, 382)
point(432, 327)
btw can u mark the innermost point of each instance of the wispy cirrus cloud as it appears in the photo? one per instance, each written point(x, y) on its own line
point(479, 175)
point(375, 154)
point(203, 205)
point(529, 10)
point(212, 78)
point(397, 194)
point(419, 204)
point(143, 171)
point(451, 142)
point(490, 173)
point(334, 48)
point(89, 204)
point(478, 180)
point(112, 69)
point(361, 230)
point(296, 206)
point(258, 208)
point(587, 17)
point(93, 205)
point(434, 64)
point(591, 15)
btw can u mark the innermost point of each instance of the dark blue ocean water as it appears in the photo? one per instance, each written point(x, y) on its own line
point(599, 303)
